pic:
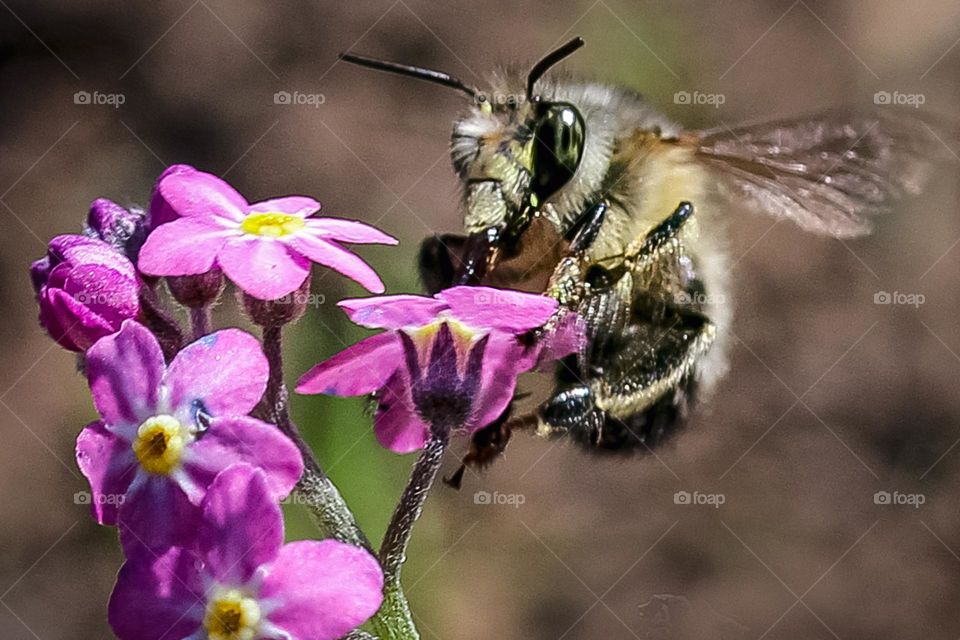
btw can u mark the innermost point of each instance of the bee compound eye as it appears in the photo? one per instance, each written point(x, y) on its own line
point(558, 147)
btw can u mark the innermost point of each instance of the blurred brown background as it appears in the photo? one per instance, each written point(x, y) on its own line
point(830, 399)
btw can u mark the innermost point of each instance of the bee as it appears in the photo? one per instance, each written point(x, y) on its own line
point(586, 193)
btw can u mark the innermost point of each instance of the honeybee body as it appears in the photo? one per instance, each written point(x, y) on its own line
point(633, 160)
point(584, 192)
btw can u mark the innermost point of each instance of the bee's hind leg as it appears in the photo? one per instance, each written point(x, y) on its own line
point(638, 397)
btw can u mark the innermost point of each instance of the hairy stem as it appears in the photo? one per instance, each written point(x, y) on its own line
point(200, 323)
point(393, 621)
point(155, 316)
point(393, 551)
point(315, 489)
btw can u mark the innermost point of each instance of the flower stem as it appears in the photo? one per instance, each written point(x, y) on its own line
point(160, 322)
point(200, 323)
point(393, 551)
point(315, 489)
point(393, 621)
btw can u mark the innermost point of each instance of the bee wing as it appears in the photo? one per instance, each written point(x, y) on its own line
point(830, 173)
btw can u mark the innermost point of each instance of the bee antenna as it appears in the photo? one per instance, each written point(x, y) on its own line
point(430, 75)
point(549, 60)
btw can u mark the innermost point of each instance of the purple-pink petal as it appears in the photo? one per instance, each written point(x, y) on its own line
point(263, 267)
point(156, 514)
point(77, 250)
point(242, 526)
point(489, 308)
point(224, 371)
point(184, 247)
point(241, 439)
point(160, 211)
point(300, 206)
point(566, 338)
point(349, 231)
point(202, 195)
point(357, 370)
point(124, 371)
point(503, 362)
point(337, 258)
point(69, 322)
point(397, 425)
point(110, 465)
point(392, 312)
point(323, 589)
point(109, 293)
point(157, 597)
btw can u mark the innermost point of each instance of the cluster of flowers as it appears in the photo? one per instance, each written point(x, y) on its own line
point(178, 463)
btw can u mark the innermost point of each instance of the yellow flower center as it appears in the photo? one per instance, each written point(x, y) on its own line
point(271, 224)
point(462, 334)
point(232, 616)
point(160, 443)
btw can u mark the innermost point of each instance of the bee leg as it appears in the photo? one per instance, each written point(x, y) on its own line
point(566, 282)
point(588, 226)
point(638, 396)
point(644, 251)
point(440, 258)
point(572, 412)
point(487, 444)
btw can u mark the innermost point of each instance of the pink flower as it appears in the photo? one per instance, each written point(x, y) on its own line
point(86, 289)
point(243, 583)
point(265, 248)
point(166, 431)
point(454, 356)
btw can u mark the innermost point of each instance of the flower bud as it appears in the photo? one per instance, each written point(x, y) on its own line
point(123, 229)
point(276, 313)
point(197, 291)
point(85, 289)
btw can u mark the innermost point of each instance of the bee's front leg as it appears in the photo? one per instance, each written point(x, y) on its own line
point(567, 282)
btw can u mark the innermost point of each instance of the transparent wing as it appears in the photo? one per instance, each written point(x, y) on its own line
point(829, 173)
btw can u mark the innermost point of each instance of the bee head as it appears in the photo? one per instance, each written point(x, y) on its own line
point(512, 151)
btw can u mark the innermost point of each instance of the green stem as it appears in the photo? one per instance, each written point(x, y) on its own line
point(394, 620)
point(395, 615)
point(315, 490)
